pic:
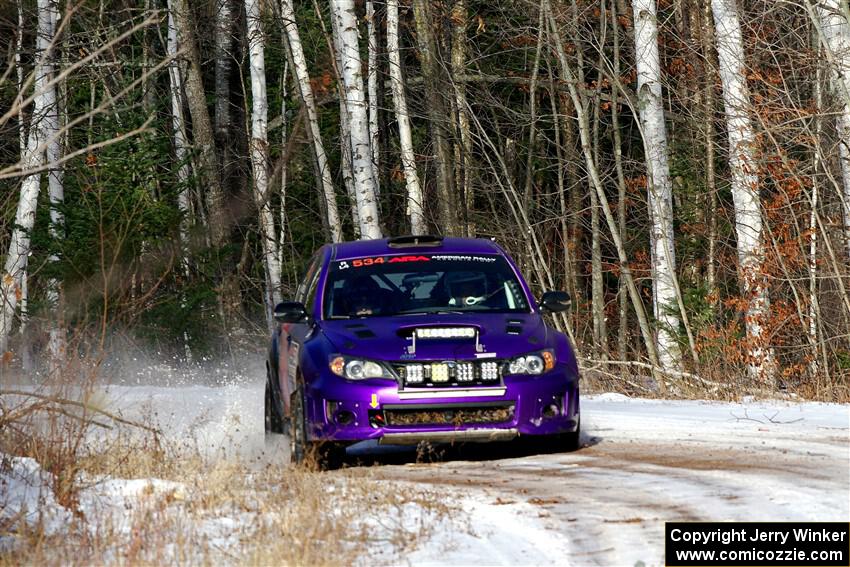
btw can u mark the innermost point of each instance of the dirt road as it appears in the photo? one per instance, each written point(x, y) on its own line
point(644, 462)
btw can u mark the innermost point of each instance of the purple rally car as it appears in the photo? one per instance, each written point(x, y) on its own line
point(418, 338)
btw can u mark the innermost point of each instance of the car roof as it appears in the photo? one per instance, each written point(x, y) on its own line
point(383, 247)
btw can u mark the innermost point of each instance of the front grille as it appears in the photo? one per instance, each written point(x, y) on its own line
point(450, 373)
point(455, 415)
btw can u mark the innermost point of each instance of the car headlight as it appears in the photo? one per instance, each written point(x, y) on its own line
point(357, 368)
point(534, 364)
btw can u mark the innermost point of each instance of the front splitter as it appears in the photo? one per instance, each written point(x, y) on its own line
point(465, 436)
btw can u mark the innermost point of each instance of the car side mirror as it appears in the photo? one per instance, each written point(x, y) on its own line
point(555, 301)
point(290, 312)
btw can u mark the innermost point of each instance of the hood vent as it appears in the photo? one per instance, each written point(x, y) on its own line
point(514, 327)
point(361, 331)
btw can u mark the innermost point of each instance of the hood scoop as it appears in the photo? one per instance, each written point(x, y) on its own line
point(514, 327)
point(361, 331)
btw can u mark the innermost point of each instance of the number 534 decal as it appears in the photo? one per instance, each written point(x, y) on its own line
point(361, 262)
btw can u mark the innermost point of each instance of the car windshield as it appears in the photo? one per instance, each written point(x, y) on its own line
point(382, 286)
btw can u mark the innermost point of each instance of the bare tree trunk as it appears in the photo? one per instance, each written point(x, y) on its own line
point(181, 157)
point(660, 186)
point(438, 115)
point(707, 37)
point(597, 282)
point(745, 184)
point(26, 349)
point(408, 161)
point(299, 66)
point(284, 166)
point(347, 165)
point(814, 308)
point(223, 44)
point(259, 149)
point(56, 194)
point(345, 28)
point(202, 132)
point(372, 82)
point(835, 35)
point(11, 283)
point(622, 292)
point(460, 20)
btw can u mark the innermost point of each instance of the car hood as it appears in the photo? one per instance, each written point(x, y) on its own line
point(500, 335)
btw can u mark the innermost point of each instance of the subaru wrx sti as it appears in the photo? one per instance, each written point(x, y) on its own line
point(418, 339)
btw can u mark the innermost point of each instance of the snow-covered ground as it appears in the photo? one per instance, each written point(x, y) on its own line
point(644, 462)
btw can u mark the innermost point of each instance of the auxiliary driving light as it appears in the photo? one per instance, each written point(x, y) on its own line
point(489, 371)
point(439, 372)
point(445, 333)
point(414, 373)
point(465, 372)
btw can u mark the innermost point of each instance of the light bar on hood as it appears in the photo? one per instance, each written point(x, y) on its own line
point(445, 333)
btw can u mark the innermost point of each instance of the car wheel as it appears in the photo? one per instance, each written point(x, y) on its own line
point(571, 441)
point(273, 419)
point(298, 430)
point(325, 455)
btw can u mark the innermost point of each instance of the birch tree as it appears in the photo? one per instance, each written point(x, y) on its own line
point(56, 196)
point(372, 86)
point(745, 183)
point(259, 150)
point(181, 154)
point(345, 27)
point(302, 79)
point(660, 186)
point(15, 268)
point(346, 165)
point(835, 35)
point(408, 162)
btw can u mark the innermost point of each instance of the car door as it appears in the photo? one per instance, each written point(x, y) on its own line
point(292, 336)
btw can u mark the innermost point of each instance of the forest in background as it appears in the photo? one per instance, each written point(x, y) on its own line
point(682, 168)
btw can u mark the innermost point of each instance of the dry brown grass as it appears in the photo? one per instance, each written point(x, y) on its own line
point(203, 512)
point(190, 508)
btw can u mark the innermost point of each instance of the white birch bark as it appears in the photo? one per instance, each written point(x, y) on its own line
point(346, 166)
point(411, 178)
point(745, 183)
point(11, 282)
point(181, 154)
point(343, 12)
point(259, 149)
point(19, 67)
point(56, 194)
point(26, 356)
point(284, 167)
point(303, 80)
point(660, 186)
point(372, 85)
point(835, 35)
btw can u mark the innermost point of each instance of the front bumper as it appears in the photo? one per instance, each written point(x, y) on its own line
point(341, 410)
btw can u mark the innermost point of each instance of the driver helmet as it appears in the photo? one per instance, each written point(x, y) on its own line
point(361, 293)
point(466, 288)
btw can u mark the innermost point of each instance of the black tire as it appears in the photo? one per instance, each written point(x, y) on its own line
point(324, 455)
point(571, 441)
point(274, 421)
point(298, 447)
